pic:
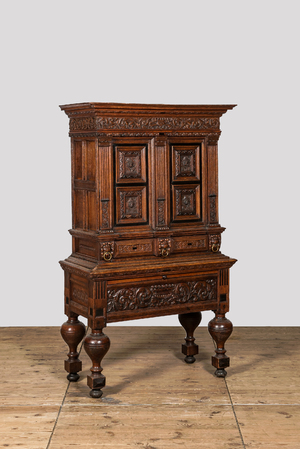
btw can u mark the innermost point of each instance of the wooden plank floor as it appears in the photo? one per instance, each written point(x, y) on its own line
point(152, 400)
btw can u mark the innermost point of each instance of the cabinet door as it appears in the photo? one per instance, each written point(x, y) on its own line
point(187, 180)
point(131, 184)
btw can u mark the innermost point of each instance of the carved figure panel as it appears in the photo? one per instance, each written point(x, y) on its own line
point(186, 163)
point(130, 164)
point(186, 202)
point(131, 205)
point(160, 295)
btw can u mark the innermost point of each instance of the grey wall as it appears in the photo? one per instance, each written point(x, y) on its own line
point(158, 52)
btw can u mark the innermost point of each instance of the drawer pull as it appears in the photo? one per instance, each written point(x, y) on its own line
point(164, 252)
point(107, 256)
point(215, 247)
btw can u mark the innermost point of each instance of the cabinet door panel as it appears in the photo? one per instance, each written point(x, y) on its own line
point(186, 202)
point(130, 164)
point(185, 163)
point(131, 205)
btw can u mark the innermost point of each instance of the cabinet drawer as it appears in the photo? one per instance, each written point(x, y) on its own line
point(133, 298)
point(190, 244)
point(129, 248)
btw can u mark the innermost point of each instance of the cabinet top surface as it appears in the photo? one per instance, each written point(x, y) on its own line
point(145, 109)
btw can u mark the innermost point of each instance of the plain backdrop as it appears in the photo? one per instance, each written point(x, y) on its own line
point(177, 52)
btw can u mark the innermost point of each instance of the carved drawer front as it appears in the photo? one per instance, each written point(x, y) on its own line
point(190, 244)
point(131, 248)
point(131, 205)
point(130, 164)
point(186, 202)
point(185, 163)
point(134, 298)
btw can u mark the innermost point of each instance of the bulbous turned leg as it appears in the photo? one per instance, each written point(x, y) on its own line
point(190, 321)
point(96, 345)
point(73, 331)
point(220, 329)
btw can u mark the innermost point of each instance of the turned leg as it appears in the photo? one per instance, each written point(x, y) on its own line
point(220, 329)
point(96, 345)
point(73, 331)
point(190, 321)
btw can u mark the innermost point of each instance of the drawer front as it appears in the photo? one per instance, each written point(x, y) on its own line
point(161, 295)
point(131, 248)
point(190, 244)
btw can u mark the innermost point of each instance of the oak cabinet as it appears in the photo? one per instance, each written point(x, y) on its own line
point(145, 230)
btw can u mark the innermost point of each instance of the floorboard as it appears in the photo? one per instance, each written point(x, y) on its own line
point(152, 400)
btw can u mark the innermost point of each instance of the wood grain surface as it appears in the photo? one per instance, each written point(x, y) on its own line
point(153, 399)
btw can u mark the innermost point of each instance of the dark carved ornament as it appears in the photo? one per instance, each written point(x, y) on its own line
point(105, 214)
point(185, 202)
point(214, 242)
point(161, 211)
point(164, 246)
point(131, 204)
point(130, 164)
point(106, 247)
point(152, 123)
point(212, 208)
point(161, 295)
point(185, 163)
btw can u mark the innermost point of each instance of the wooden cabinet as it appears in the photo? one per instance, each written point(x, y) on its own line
point(145, 231)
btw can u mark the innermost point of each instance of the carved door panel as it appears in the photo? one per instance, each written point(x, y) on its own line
point(185, 163)
point(186, 182)
point(131, 164)
point(131, 184)
point(131, 205)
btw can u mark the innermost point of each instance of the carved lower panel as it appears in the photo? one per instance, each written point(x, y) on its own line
point(161, 295)
point(186, 202)
point(131, 205)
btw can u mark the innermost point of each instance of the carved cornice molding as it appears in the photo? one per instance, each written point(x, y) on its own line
point(144, 123)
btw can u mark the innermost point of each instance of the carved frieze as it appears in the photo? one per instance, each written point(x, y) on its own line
point(161, 295)
point(151, 123)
